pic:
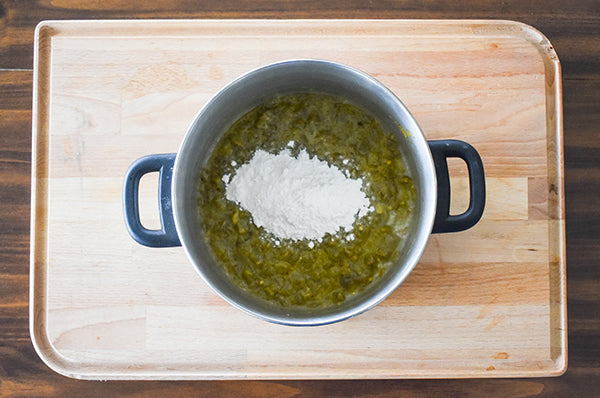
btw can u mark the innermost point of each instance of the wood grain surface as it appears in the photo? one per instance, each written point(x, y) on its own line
point(571, 27)
point(488, 302)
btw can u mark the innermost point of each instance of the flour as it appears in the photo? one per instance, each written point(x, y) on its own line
point(297, 198)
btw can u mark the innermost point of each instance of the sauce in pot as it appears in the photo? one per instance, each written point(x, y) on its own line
point(309, 273)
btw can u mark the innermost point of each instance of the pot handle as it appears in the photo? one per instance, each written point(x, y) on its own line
point(441, 151)
point(166, 236)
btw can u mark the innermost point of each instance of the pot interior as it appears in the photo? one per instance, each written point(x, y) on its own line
point(257, 87)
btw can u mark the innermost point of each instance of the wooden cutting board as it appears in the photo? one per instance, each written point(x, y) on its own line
point(487, 302)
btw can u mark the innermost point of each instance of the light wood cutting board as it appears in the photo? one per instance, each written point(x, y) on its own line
point(487, 302)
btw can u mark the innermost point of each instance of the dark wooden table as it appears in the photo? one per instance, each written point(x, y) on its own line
point(572, 26)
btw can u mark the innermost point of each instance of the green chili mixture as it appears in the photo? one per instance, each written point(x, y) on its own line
point(288, 272)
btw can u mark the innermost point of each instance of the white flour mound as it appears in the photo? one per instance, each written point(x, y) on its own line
point(297, 198)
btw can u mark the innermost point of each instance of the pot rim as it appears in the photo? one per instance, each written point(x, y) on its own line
point(424, 232)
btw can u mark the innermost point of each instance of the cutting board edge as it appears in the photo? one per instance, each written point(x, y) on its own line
point(40, 167)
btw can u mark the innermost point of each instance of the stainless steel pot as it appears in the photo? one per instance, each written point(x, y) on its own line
point(427, 162)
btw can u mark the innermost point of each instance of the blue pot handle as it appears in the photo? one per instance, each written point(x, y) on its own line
point(166, 236)
point(441, 151)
